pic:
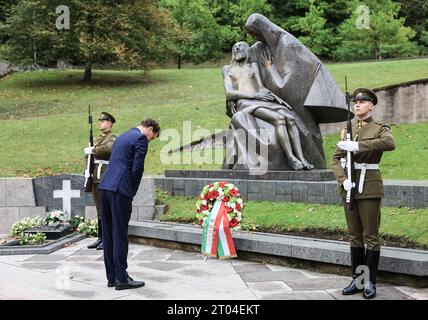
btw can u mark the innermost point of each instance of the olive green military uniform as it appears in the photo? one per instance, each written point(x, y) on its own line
point(101, 153)
point(363, 220)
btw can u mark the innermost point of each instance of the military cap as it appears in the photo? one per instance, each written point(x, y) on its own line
point(106, 116)
point(364, 94)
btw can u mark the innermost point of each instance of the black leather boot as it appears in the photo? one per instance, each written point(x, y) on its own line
point(372, 262)
point(357, 258)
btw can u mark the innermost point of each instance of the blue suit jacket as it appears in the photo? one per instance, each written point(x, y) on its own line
point(126, 167)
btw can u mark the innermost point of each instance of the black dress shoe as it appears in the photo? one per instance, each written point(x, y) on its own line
point(369, 290)
point(352, 288)
point(111, 284)
point(100, 246)
point(95, 244)
point(129, 284)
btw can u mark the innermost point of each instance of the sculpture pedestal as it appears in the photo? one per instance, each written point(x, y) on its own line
point(290, 175)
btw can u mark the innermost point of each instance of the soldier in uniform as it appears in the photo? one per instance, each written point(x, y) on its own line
point(101, 152)
point(369, 140)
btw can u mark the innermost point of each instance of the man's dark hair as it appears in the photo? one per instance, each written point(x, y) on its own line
point(152, 123)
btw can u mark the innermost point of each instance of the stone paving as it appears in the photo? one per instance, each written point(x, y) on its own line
point(78, 273)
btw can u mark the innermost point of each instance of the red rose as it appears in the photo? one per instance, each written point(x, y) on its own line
point(233, 192)
point(203, 208)
point(210, 185)
point(221, 184)
point(207, 196)
point(233, 223)
point(238, 207)
point(225, 198)
point(214, 195)
point(198, 210)
point(201, 222)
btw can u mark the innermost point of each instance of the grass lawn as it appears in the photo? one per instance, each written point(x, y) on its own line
point(399, 226)
point(43, 114)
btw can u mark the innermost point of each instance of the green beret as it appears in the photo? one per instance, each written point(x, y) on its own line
point(106, 116)
point(364, 94)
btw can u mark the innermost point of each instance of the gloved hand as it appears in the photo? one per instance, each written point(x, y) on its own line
point(348, 145)
point(88, 150)
point(348, 185)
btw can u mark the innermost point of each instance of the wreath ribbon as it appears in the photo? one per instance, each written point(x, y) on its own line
point(216, 235)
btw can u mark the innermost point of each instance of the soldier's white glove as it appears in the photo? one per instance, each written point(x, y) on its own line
point(88, 150)
point(348, 185)
point(348, 145)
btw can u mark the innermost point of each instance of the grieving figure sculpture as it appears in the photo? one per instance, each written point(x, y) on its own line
point(285, 92)
point(248, 100)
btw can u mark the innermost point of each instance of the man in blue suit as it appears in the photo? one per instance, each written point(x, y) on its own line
point(118, 187)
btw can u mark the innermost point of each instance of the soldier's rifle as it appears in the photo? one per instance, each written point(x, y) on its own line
point(349, 154)
point(90, 163)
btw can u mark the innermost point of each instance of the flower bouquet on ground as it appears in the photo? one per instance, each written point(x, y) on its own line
point(54, 217)
point(76, 221)
point(88, 228)
point(218, 209)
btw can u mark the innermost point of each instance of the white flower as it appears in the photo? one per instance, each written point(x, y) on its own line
point(239, 201)
point(204, 202)
point(235, 211)
point(211, 189)
point(233, 205)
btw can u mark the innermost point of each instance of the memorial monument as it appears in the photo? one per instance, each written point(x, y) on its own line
point(280, 87)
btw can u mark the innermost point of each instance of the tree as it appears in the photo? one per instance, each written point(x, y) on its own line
point(306, 19)
point(415, 13)
point(132, 33)
point(197, 35)
point(374, 32)
point(233, 15)
point(317, 37)
point(424, 41)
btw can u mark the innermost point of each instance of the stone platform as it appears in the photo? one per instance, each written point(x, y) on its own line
point(78, 273)
point(396, 265)
point(312, 175)
point(398, 193)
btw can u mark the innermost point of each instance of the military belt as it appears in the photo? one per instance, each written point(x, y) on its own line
point(363, 167)
point(100, 164)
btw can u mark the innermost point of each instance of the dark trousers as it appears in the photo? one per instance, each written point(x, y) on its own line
point(363, 223)
point(115, 211)
point(96, 196)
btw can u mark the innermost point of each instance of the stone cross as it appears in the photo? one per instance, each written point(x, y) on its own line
point(66, 194)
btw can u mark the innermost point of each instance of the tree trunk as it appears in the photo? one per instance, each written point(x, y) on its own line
point(88, 73)
point(179, 62)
